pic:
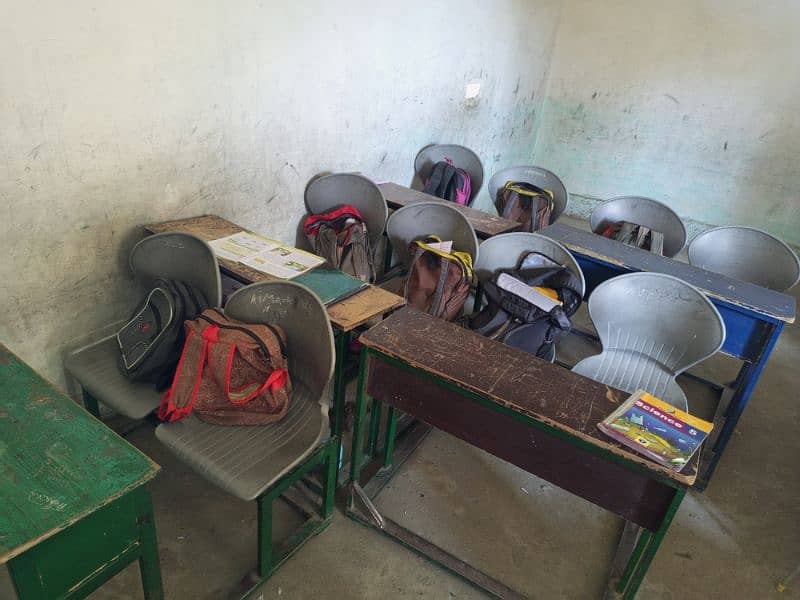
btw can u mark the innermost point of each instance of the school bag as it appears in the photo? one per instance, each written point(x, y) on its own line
point(529, 307)
point(340, 237)
point(438, 281)
point(150, 342)
point(230, 373)
point(449, 183)
point(525, 203)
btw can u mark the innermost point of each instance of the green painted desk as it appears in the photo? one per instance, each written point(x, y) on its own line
point(75, 507)
point(533, 414)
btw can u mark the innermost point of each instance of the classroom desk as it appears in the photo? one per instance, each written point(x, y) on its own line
point(754, 317)
point(75, 505)
point(485, 224)
point(539, 416)
point(346, 315)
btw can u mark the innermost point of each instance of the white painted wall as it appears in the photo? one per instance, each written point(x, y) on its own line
point(692, 102)
point(114, 115)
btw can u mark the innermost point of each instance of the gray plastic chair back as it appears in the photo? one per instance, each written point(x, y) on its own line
point(301, 315)
point(505, 251)
point(420, 219)
point(535, 176)
point(462, 157)
point(747, 254)
point(181, 256)
point(642, 211)
point(329, 191)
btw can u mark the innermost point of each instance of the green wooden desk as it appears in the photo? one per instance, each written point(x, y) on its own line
point(75, 507)
point(533, 414)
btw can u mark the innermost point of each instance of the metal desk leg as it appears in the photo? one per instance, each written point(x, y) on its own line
point(745, 384)
point(357, 454)
point(148, 561)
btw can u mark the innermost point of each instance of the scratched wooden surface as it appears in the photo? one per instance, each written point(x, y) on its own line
point(546, 392)
point(485, 224)
point(346, 315)
point(738, 293)
point(58, 464)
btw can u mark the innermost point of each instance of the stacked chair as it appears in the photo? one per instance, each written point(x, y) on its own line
point(178, 256)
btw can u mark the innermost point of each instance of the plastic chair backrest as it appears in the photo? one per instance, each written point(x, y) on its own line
point(505, 251)
point(330, 191)
point(536, 176)
point(462, 157)
point(659, 316)
point(301, 315)
point(642, 211)
point(415, 221)
point(747, 254)
point(181, 256)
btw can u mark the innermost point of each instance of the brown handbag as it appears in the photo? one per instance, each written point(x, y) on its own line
point(525, 203)
point(438, 282)
point(229, 373)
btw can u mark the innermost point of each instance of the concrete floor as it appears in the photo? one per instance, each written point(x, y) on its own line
point(733, 541)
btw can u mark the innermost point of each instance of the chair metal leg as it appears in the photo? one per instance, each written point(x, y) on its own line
point(264, 534)
point(331, 473)
point(90, 403)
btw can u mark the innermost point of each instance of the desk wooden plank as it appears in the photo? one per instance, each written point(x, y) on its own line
point(738, 293)
point(346, 315)
point(58, 464)
point(485, 224)
point(514, 379)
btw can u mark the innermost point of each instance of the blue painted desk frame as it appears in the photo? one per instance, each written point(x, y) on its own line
point(754, 317)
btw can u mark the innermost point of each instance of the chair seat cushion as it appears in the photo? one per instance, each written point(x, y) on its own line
point(95, 368)
point(631, 371)
point(246, 460)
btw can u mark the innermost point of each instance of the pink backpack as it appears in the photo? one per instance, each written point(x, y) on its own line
point(449, 183)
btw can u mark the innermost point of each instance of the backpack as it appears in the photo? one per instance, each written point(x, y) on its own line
point(230, 373)
point(526, 204)
point(529, 307)
point(449, 183)
point(438, 281)
point(150, 342)
point(340, 237)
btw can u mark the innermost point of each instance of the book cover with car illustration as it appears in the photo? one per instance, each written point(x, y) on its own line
point(656, 430)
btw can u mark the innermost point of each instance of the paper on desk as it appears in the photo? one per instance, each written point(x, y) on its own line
point(265, 255)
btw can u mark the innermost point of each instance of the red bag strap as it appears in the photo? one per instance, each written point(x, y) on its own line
point(275, 381)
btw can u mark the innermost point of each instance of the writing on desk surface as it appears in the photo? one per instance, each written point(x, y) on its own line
point(655, 293)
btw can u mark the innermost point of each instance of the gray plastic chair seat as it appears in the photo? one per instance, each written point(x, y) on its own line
point(462, 157)
point(642, 211)
point(246, 460)
point(537, 176)
point(653, 327)
point(95, 368)
point(417, 220)
point(505, 251)
point(325, 193)
point(747, 254)
point(630, 372)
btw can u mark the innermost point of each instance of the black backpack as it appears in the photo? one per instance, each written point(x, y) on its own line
point(528, 319)
point(151, 341)
point(449, 183)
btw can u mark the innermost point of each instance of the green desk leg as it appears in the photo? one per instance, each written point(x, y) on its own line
point(357, 454)
point(79, 559)
point(342, 339)
point(645, 550)
point(391, 434)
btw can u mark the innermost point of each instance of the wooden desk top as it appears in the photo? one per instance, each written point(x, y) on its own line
point(513, 379)
point(346, 315)
point(738, 293)
point(58, 464)
point(485, 224)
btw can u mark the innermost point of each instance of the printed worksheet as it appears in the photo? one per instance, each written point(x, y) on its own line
point(265, 255)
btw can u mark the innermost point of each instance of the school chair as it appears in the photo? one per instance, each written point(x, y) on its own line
point(652, 328)
point(421, 219)
point(178, 256)
point(537, 176)
point(327, 192)
point(461, 157)
point(261, 462)
point(642, 211)
point(747, 254)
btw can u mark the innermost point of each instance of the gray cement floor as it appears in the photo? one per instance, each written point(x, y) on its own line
point(733, 541)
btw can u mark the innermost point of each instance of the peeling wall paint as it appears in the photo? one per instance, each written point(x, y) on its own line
point(694, 103)
point(113, 116)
